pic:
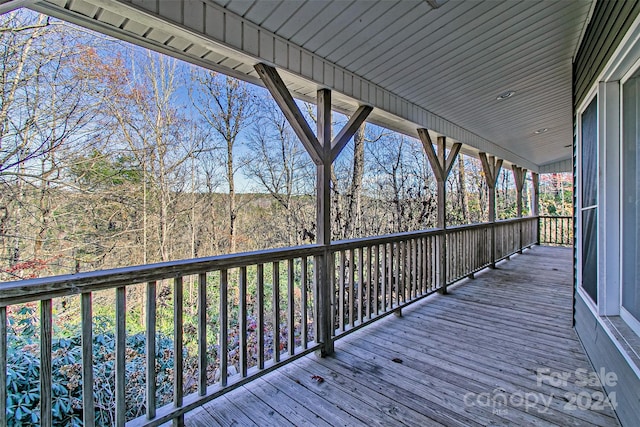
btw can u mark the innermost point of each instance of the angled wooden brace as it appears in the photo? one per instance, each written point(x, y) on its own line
point(347, 132)
point(314, 145)
point(519, 175)
point(283, 98)
point(441, 166)
point(491, 168)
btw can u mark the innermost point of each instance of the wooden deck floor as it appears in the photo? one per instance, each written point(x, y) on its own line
point(450, 360)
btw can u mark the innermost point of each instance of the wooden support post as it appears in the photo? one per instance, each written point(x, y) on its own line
point(441, 165)
point(323, 219)
point(323, 151)
point(519, 175)
point(491, 168)
point(535, 205)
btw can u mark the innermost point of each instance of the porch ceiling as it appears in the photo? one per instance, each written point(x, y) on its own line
point(420, 63)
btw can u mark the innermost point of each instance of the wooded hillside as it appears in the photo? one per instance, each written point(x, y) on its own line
point(112, 155)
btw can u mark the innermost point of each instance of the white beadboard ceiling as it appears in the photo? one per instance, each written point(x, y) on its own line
point(420, 63)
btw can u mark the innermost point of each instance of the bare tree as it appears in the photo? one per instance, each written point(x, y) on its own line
point(161, 138)
point(44, 115)
point(227, 106)
point(281, 166)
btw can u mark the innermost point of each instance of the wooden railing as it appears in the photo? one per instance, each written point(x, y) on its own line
point(280, 302)
point(374, 277)
point(556, 230)
point(275, 291)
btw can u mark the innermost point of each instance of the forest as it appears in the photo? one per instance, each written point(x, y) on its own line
point(112, 155)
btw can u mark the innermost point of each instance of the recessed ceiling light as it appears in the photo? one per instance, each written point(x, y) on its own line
point(539, 131)
point(505, 95)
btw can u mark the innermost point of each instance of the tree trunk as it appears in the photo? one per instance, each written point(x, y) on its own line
point(462, 191)
point(232, 197)
point(354, 214)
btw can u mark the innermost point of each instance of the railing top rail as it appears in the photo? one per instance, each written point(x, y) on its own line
point(557, 216)
point(515, 220)
point(69, 284)
point(397, 237)
point(387, 238)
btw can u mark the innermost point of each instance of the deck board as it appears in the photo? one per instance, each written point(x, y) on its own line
point(488, 336)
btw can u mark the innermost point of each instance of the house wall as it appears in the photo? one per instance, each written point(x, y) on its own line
point(605, 41)
point(609, 23)
point(606, 357)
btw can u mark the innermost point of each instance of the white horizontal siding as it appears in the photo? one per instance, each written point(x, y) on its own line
point(557, 167)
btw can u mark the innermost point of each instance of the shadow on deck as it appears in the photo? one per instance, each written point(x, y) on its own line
point(451, 360)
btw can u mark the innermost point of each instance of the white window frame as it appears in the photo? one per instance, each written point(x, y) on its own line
point(579, 207)
point(622, 65)
point(629, 319)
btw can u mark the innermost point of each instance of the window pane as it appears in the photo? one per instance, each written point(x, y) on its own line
point(590, 154)
point(630, 198)
point(590, 253)
point(589, 168)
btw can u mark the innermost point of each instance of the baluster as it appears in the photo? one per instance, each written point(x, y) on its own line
point(375, 282)
point(368, 280)
point(46, 323)
point(467, 255)
point(398, 273)
point(408, 265)
point(391, 274)
point(420, 266)
point(178, 363)
point(260, 280)
point(383, 281)
point(88, 405)
point(406, 269)
point(351, 287)
point(242, 321)
point(291, 344)
point(548, 238)
point(121, 346)
point(425, 265)
point(415, 247)
point(470, 251)
point(331, 276)
point(224, 333)
point(3, 366)
point(360, 283)
point(342, 291)
point(276, 311)
point(202, 334)
point(430, 263)
point(316, 306)
point(303, 297)
point(151, 349)
point(447, 266)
